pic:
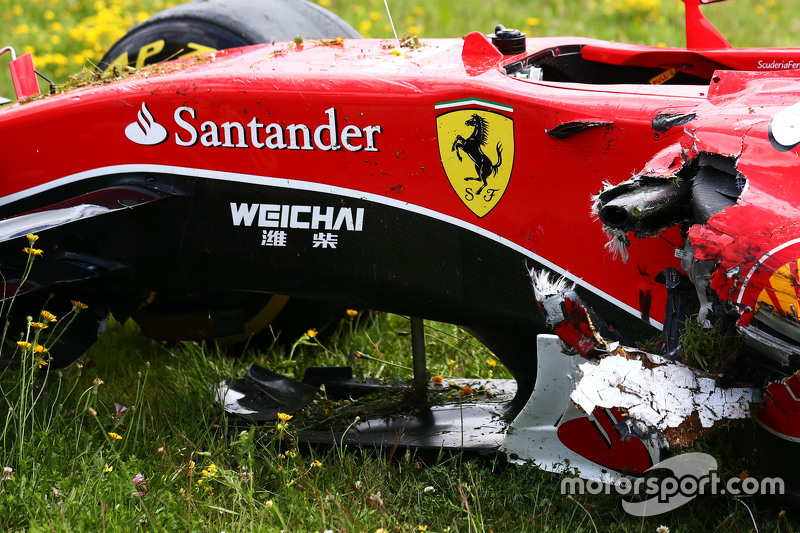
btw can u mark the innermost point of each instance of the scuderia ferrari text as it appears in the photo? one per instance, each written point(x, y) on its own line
point(325, 136)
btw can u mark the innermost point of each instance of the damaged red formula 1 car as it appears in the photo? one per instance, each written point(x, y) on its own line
point(483, 181)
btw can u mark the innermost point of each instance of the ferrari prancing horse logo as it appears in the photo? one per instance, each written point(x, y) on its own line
point(477, 152)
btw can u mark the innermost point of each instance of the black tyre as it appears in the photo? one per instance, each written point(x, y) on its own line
point(208, 25)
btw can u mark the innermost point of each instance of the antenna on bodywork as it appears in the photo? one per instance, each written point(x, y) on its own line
point(700, 33)
point(391, 22)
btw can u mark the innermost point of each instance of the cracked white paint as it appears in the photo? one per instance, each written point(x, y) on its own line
point(661, 397)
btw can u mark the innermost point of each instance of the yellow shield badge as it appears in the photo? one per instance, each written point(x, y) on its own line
point(476, 146)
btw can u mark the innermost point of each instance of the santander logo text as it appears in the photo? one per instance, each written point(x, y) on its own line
point(329, 134)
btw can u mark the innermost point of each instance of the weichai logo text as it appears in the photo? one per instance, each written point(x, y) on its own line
point(193, 129)
point(298, 216)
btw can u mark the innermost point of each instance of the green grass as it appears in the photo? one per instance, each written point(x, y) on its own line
point(74, 477)
point(69, 474)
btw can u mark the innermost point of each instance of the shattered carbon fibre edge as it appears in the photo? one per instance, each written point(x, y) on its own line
point(659, 394)
point(661, 397)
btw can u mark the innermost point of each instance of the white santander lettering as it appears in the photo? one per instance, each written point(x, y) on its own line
point(186, 126)
point(325, 135)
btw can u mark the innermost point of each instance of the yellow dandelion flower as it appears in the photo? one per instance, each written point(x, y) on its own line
point(364, 26)
point(418, 10)
point(25, 345)
point(107, 468)
point(280, 426)
point(414, 30)
point(32, 251)
point(22, 29)
point(466, 390)
point(32, 237)
point(115, 436)
point(38, 325)
point(42, 363)
point(532, 21)
point(284, 417)
point(17, 10)
point(324, 3)
point(437, 380)
point(317, 463)
point(351, 313)
point(77, 304)
point(39, 349)
point(491, 363)
point(311, 333)
point(451, 362)
point(47, 315)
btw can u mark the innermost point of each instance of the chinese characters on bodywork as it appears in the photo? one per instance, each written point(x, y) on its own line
point(275, 221)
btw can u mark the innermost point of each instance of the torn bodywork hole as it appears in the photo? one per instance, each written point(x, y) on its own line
point(716, 185)
point(647, 204)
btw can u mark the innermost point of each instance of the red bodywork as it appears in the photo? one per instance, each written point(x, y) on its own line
point(544, 212)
